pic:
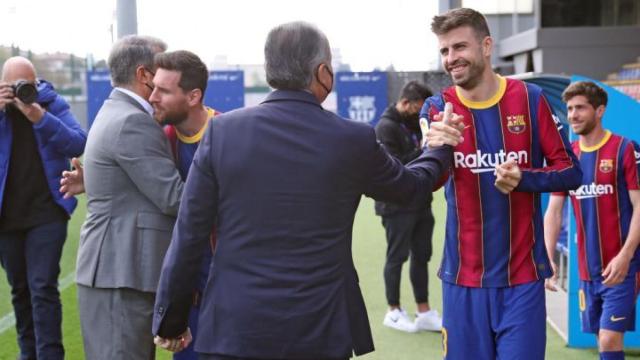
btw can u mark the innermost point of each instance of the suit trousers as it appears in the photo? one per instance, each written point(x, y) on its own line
point(116, 323)
point(226, 357)
point(31, 259)
point(408, 234)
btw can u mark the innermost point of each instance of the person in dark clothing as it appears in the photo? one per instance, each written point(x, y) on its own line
point(282, 182)
point(36, 142)
point(408, 227)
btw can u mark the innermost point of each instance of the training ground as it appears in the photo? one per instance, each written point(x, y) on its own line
point(369, 247)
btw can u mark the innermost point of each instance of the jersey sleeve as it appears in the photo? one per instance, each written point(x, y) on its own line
point(631, 165)
point(562, 170)
point(432, 106)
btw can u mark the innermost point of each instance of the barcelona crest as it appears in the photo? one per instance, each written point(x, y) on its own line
point(606, 165)
point(516, 123)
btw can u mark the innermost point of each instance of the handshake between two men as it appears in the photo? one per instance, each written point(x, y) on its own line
point(447, 128)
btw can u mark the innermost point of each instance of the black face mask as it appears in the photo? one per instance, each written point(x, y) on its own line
point(328, 90)
point(409, 118)
point(411, 121)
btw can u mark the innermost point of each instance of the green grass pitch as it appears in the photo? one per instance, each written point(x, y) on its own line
point(368, 248)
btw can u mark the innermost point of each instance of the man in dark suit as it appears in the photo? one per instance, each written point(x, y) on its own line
point(282, 182)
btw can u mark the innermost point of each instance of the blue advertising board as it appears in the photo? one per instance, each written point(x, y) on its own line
point(362, 96)
point(225, 91)
point(98, 90)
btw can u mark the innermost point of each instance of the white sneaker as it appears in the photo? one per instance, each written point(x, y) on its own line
point(398, 319)
point(428, 321)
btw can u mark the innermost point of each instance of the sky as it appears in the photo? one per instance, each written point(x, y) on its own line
point(369, 33)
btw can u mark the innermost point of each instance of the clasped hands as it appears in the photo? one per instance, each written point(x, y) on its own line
point(174, 344)
point(446, 129)
point(508, 176)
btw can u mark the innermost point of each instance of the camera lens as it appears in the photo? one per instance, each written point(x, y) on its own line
point(25, 91)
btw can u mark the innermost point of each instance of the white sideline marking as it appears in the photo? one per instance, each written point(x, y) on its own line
point(8, 321)
point(557, 329)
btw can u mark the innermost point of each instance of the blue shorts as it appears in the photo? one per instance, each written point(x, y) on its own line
point(494, 323)
point(608, 307)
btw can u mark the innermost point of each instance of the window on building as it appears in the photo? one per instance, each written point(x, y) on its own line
point(571, 13)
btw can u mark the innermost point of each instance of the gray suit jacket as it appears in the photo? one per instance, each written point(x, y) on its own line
point(133, 193)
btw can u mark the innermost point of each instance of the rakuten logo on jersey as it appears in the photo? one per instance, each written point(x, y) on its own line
point(592, 190)
point(480, 162)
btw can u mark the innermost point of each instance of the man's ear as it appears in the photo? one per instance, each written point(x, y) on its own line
point(195, 97)
point(141, 72)
point(487, 46)
point(600, 111)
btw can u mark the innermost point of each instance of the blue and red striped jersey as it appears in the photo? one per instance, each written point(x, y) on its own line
point(602, 205)
point(492, 239)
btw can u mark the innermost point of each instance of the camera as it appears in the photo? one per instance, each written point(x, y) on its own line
point(25, 91)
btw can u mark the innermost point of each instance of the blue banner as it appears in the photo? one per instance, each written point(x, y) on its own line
point(362, 96)
point(98, 90)
point(225, 91)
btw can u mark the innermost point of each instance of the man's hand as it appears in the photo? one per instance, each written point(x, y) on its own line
point(6, 95)
point(551, 283)
point(617, 270)
point(508, 176)
point(34, 112)
point(72, 182)
point(446, 129)
point(176, 344)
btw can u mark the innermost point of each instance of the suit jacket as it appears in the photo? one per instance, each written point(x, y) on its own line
point(282, 182)
point(133, 193)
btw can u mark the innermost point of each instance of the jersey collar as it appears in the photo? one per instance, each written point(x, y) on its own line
point(605, 138)
point(197, 136)
point(502, 87)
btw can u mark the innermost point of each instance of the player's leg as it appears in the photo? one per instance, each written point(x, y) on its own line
point(466, 328)
point(618, 316)
point(590, 306)
point(520, 321)
point(426, 318)
point(399, 229)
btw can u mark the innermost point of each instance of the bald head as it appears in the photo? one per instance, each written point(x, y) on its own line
point(17, 68)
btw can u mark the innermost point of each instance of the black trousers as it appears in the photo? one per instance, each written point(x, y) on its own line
point(408, 234)
point(31, 260)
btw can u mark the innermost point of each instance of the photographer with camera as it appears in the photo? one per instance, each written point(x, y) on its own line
point(38, 136)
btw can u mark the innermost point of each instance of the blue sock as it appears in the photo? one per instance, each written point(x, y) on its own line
point(612, 355)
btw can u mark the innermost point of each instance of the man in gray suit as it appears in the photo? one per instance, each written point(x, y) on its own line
point(133, 192)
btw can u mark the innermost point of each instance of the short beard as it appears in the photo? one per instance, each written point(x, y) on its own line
point(174, 119)
point(473, 78)
point(587, 129)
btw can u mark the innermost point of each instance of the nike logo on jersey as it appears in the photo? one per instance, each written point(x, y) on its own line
point(480, 162)
point(614, 319)
point(592, 190)
point(557, 121)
